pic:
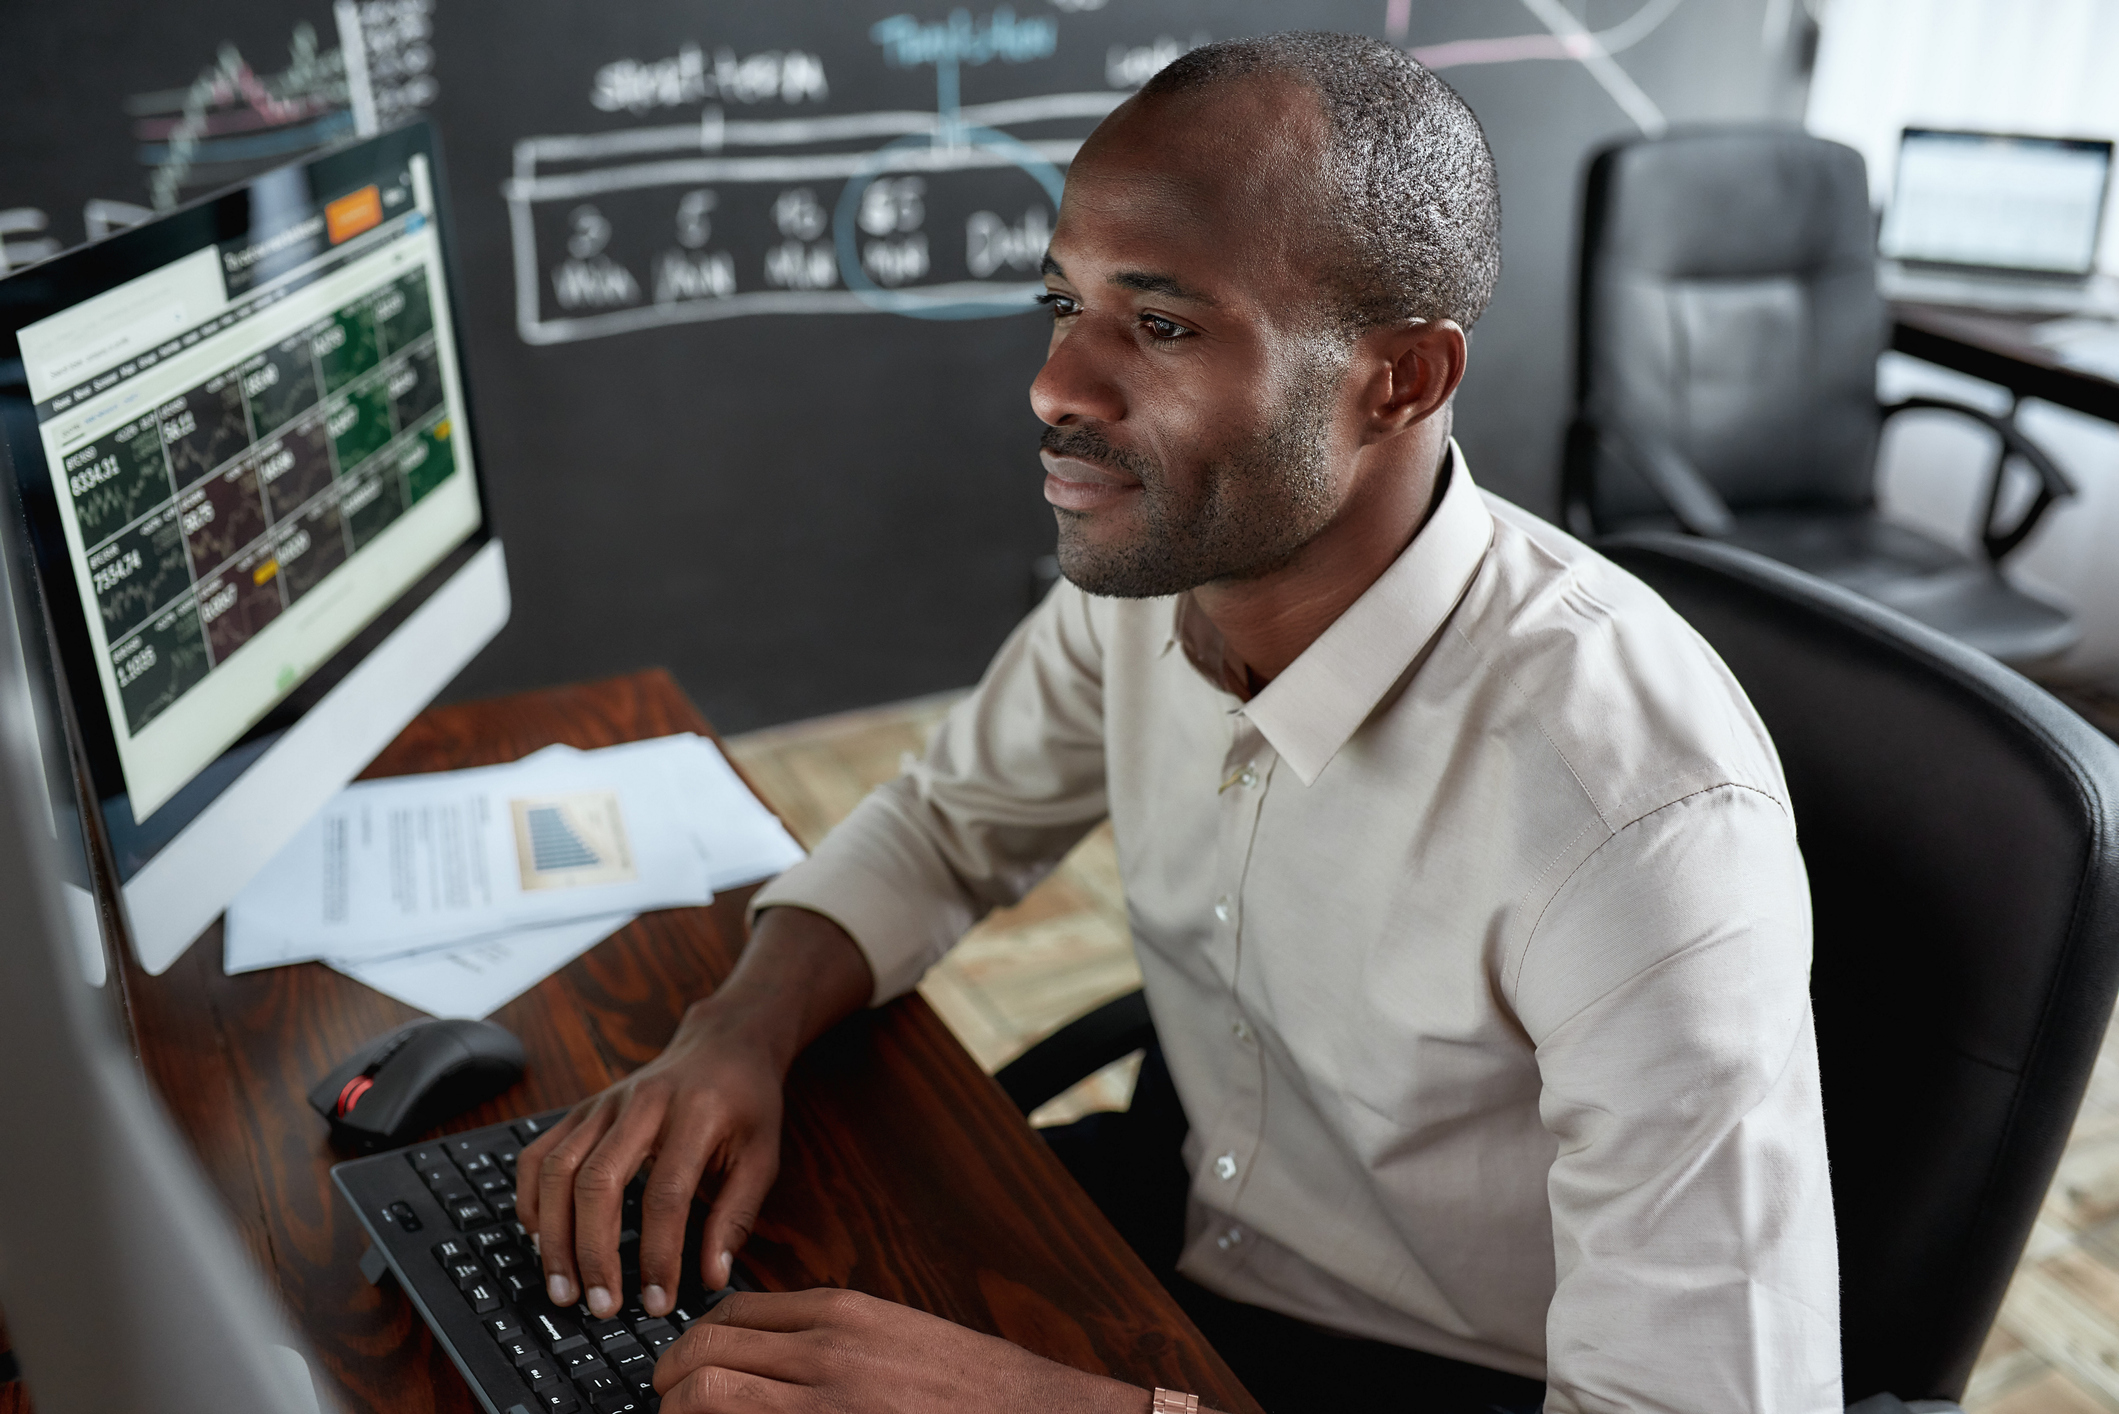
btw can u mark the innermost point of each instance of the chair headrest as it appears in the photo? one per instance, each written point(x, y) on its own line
point(1730, 202)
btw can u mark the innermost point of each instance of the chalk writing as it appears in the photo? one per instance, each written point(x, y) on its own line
point(628, 85)
point(990, 243)
point(694, 228)
point(896, 262)
point(892, 205)
point(679, 276)
point(907, 43)
point(799, 215)
point(792, 265)
point(1126, 67)
point(600, 283)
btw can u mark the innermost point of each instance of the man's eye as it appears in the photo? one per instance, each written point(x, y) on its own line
point(1060, 305)
point(1163, 330)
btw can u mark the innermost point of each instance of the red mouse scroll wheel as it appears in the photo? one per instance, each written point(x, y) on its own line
point(358, 1086)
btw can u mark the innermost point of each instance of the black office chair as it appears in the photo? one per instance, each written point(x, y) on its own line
point(1727, 339)
point(1961, 831)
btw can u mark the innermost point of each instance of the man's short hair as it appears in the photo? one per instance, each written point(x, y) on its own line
point(1419, 207)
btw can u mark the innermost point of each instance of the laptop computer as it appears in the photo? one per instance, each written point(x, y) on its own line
point(1996, 221)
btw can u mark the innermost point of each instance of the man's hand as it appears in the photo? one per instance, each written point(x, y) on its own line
point(839, 1352)
point(708, 1105)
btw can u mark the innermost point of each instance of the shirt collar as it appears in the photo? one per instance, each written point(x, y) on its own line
point(1313, 708)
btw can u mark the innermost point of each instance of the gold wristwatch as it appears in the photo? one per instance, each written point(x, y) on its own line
point(1169, 1401)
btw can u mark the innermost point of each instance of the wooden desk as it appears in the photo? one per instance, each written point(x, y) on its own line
point(905, 1172)
point(1999, 348)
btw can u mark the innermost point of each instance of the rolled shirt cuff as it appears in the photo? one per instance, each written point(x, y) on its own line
point(900, 933)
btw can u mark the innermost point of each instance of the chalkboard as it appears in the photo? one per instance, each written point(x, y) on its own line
point(748, 286)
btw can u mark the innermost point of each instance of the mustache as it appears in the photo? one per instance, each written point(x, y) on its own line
point(1089, 445)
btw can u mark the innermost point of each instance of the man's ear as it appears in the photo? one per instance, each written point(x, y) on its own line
point(1417, 366)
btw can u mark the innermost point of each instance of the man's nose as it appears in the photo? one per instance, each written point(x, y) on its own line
point(1076, 381)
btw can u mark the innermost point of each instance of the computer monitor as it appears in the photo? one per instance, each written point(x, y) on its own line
point(252, 507)
point(122, 1284)
point(1992, 201)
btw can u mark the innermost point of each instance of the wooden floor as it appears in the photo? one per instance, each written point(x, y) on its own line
point(1023, 972)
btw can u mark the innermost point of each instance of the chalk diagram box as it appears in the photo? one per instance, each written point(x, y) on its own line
point(936, 215)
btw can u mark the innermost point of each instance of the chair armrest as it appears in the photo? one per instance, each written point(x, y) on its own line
point(2053, 483)
point(1699, 508)
point(1892, 1404)
point(1078, 1050)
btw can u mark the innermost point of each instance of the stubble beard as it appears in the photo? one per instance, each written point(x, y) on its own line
point(1261, 500)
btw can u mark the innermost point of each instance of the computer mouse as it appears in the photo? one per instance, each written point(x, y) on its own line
point(400, 1085)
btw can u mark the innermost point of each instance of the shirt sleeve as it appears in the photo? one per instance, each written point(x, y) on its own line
point(1012, 780)
point(1667, 991)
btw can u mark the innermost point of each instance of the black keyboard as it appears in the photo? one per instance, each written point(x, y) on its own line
point(441, 1218)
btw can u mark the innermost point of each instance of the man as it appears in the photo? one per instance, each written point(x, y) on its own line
point(1460, 872)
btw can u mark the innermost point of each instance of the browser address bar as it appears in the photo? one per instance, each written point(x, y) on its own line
point(135, 331)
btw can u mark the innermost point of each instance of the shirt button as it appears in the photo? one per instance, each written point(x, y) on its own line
point(1225, 1167)
point(1248, 777)
point(1224, 908)
point(1229, 1239)
point(1241, 1030)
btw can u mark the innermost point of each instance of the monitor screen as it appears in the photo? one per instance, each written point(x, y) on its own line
point(2031, 204)
point(250, 448)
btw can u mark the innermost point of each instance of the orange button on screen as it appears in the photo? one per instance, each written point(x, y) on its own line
point(353, 213)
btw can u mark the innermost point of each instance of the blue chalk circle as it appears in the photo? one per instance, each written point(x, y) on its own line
point(890, 162)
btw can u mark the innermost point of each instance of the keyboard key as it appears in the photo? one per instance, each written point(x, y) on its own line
point(631, 1360)
point(479, 1166)
point(502, 1328)
point(504, 1206)
point(540, 1370)
point(604, 1332)
point(559, 1399)
point(495, 1184)
point(598, 1381)
point(585, 1359)
point(656, 1334)
point(483, 1297)
point(462, 1148)
point(527, 1130)
point(506, 1258)
point(555, 1328)
point(451, 1250)
point(467, 1273)
point(426, 1156)
point(519, 1350)
point(469, 1213)
point(492, 1238)
point(523, 1288)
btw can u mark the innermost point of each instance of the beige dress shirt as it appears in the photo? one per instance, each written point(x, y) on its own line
point(1478, 943)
